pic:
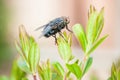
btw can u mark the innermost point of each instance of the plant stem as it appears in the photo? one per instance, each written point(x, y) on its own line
point(84, 60)
point(65, 78)
point(34, 77)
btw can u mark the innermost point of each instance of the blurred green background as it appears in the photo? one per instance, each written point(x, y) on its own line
point(5, 43)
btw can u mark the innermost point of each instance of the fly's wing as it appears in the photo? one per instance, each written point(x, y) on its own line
point(40, 27)
point(46, 30)
point(50, 26)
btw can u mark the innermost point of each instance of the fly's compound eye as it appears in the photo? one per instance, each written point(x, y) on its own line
point(67, 20)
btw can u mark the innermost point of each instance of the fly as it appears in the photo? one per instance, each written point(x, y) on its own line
point(55, 26)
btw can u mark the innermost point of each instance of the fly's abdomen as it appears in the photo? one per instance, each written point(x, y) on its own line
point(51, 32)
point(47, 35)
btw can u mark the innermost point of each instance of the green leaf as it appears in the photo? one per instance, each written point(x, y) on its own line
point(24, 78)
point(99, 24)
point(96, 44)
point(70, 39)
point(114, 72)
point(55, 76)
point(24, 40)
point(58, 68)
point(68, 74)
point(91, 27)
point(34, 56)
point(65, 35)
point(44, 71)
point(87, 65)
point(29, 51)
point(64, 49)
point(91, 10)
point(75, 69)
point(19, 49)
point(113, 69)
point(23, 65)
point(80, 35)
point(109, 78)
point(41, 73)
point(16, 73)
point(118, 74)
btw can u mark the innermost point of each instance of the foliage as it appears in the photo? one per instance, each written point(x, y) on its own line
point(115, 71)
point(16, 73)
point(5, 47)
point(64, 47)
point(89, 40)
point(44, 71)
point(29, 51)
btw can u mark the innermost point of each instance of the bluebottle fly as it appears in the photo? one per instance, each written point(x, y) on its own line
point(55, 26)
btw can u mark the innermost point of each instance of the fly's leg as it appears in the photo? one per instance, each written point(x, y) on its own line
point(68, 29)
point(55, 38)
point(62, 36)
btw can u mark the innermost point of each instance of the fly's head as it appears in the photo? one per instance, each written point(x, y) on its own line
point(66, 20)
